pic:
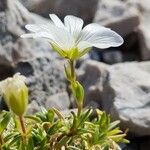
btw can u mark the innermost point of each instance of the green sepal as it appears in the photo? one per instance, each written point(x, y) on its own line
point(61, 52)
point(73, 54)
point(84, 52)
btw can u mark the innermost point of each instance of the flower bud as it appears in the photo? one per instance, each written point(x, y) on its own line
point(15, 93)
point(78, 92)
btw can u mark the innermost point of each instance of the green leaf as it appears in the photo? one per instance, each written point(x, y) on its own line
point(113, 125)
point(114, 132)
point(78, 92)
point(85, 116)
point(4, 122)
point(34, 118)
point(55, 127)
point(50, 115)
point(15, 139)
point(75, 121)
point(30, 145)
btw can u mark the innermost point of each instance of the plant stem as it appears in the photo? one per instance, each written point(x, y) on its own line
point(71, 62)
point(73, 77)
point(22, 124)
point(1, 140)
point(79, 109)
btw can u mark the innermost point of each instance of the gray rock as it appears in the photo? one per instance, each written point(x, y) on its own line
point(144, 36)
point(143, 30)
point(44, 77)
point(113, 56)
point(13, 18)
point(93, 75)
point(30, 57)
point(33, 107)
point(84, 9)
point(126, 96)
point(59, 101)
point(123, 90)
point(118, 16)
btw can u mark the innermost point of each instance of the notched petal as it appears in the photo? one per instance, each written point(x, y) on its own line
point(56, 21)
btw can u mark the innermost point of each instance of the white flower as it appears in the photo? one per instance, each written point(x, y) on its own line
point(70, 39)
point(15, 93)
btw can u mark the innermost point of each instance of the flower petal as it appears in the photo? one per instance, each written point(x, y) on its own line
point(58, 36)
point(56, 21)
point(83, 45)
point(100, 37)
point(39, 28)
point(36, 35)
point(62, 38)
point(74, 25)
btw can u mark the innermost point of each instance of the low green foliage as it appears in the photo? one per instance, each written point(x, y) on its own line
point(49, 130)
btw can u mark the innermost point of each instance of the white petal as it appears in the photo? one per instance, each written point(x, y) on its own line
point(37, 35)
point(100, 37)
point(62, 38)
point(74, 25)
point(39, 28)
point(83, 45)
point(56, 21)
point(33, 28)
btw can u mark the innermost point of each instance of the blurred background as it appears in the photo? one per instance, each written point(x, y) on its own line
point(116, 80)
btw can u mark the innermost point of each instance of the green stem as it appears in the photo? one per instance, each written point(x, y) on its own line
point(22, 124)
point(1, 141)
point(71, 62)
point(73, 78)
point(79, 109)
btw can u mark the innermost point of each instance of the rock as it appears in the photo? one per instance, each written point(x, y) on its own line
point(143, 29)
point(41, 7)
point(144, 42)
point(33, 107)
point(144, 35)
point(113, 56)
point(84, 9)
point(30, 57)
point(126, 96)
point(120, 89)
point(44, 77)
point(13, 18)
point(93, 75)
point(59, 101)
point(118, 16)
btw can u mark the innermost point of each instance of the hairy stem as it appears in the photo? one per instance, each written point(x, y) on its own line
point(72, 67)
point(22, 124)
point(79, 109)
point(1, 140)
point(73, 78)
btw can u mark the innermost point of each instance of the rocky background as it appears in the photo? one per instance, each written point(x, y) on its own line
point(116, 80)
